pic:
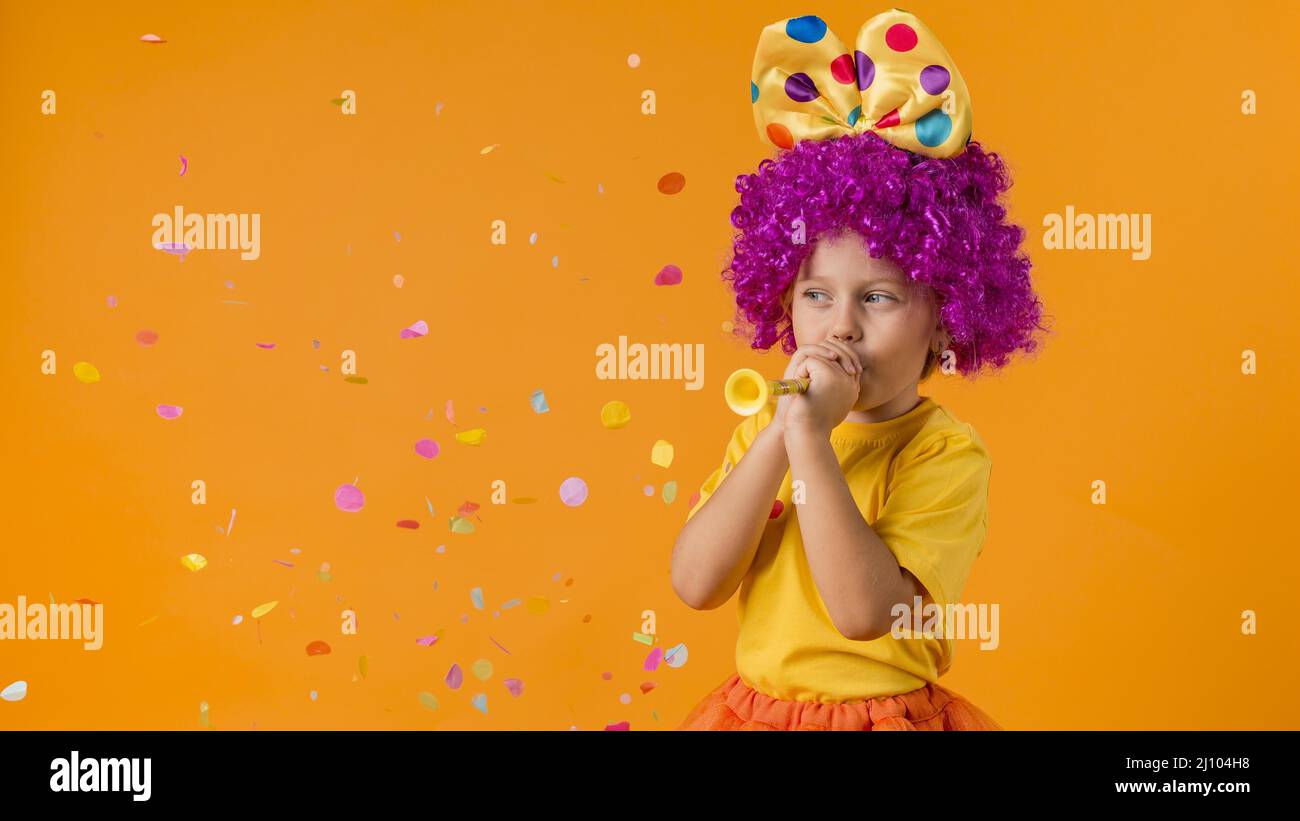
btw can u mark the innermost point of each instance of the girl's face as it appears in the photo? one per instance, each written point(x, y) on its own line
point(870, 305)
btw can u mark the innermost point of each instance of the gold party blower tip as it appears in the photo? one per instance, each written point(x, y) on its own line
point(747, 392)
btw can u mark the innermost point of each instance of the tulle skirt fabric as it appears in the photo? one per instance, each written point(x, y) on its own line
point(733, 705)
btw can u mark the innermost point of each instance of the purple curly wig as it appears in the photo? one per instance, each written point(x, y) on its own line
point(939, 220)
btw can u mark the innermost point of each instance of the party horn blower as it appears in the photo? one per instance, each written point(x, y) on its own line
point(747, 392)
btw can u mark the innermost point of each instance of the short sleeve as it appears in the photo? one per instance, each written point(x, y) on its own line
point(741, 438)
point(935, 514)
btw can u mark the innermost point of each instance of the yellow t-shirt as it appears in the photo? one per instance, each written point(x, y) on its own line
point(921, 481)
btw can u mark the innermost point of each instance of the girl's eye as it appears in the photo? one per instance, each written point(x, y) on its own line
point(811, 294)
point(886, 296)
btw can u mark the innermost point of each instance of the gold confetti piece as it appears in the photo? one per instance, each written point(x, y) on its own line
point(472, 437)
point(525, 500)
point(615, 414)
point(538, 604)
point(662, 453)
point(85, 372)
point(489, 148)
point(552, 177)
point(204, 721)
point(363, 666)
point(194, 561)
point(262, 609)
point(149, 620)
point(460, 524)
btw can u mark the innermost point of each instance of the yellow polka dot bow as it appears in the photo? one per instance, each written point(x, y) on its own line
point(898, 82)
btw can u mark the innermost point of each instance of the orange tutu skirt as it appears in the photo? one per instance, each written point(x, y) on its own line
point(736, 706)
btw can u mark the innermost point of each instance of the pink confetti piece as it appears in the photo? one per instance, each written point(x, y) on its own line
point(415, 331)
point(169, 411)
point(231, 526)
point(151, 38)
point(427, 448)
point(515, 686)
point(451, 413)
point(498, 644)
point(622, 725)
point(112, 301)
point(426, 641)
point(669, 275)
point(146, 337)
point(266, 346)
point(349, 498)
point(185, 165)
point(455, 677)
point(280, 561)
point(652, 660)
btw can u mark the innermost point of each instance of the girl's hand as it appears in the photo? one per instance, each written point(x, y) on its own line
point(833, 370)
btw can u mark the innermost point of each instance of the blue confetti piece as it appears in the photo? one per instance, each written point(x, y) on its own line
point(476, 596)
point(538, 401)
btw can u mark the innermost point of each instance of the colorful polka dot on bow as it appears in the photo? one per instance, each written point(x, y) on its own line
point(898, 82)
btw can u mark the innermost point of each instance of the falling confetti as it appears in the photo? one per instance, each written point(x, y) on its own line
point(460, 524)
point(622, 725)
point(671, 183)
point(262, 609)
point(428, 701)
point(266, 346)
point(538, 605)
point(313, 695)
point(363, 666)
point(480, 702)
point(356, 380)
point(14, 692)
point(647, 686)
point(476, 596)
point(515, 686)
point(450, 412)
point(482, 669)
point(670, 492)
point(676, 656)
point(488, 148)
point(455, 677)
point(538, 401)
point(437, 109)
point(151, 38)
point(415, 330)
point(231, 526)
point(194, 561)
point(633, 60)
point(498, 644)
point(204, 721)
point(662, 453)
point(169, 411)
point(652, 660)
point(669, 275)
point(85, 372)
point(573, 491)
point(426, 641)
point(408, 524)
point(615, 414)
point(146, 337)
point(318, 648)
point(349, 498)
point(532, 238)
point(472, 437)
point(112, 301)
point(399, 280)
point(185, 165)
point(239, 619)
point(428, 449)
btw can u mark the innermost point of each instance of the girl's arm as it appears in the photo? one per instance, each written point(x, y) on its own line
point(856, 573)
point(716, 546)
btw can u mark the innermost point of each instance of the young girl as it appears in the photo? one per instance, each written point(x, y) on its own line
point(874, 249)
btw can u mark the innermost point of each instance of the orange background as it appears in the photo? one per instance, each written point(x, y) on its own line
point(1125, 615)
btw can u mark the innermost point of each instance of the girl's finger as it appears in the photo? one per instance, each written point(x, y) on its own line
point(834, 354)
point(851, 357)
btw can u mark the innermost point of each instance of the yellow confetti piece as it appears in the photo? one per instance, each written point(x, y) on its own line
point(85, 372)
point(728, 326)
point(204, 721)
point(643, 638)
point(194, 561)
point(538, 604)
point(615, 414)
point(460, 524)
point(428, 701)
point(363, 666)
point(472, 437)
point(489, 148)
point(552, 177)
point(482, 669)
point(262, 609)
point(662, 453)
